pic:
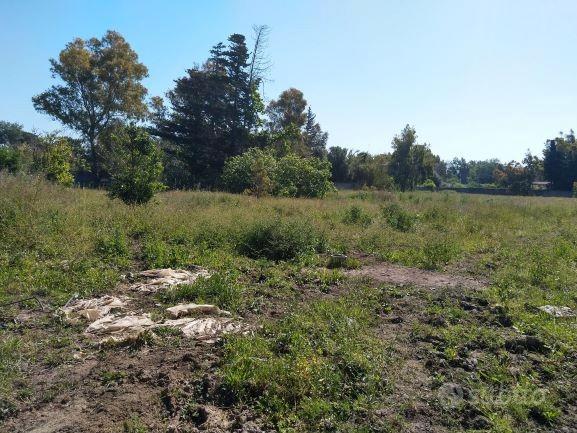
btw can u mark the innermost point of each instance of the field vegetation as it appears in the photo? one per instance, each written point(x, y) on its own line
point(331, 350)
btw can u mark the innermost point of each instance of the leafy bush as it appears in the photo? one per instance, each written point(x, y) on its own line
point(279, 240)
point(429, 185)
point(355, 215)
point(114, 246)
point(438, 253)
point(259, 172)
point(249, 172)
point(302, 177)
point(396, 217)
point(135, 165)
point(9, 159)
point(56, 159)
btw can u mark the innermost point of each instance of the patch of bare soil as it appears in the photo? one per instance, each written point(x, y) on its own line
point(406, 276)
point(169, 387)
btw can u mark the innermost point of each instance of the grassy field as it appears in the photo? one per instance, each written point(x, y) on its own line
point(333, 351)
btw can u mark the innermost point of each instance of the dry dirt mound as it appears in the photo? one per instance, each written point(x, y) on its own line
point(407, 276)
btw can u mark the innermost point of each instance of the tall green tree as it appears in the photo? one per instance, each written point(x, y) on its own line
point(411, 163)
point(314, 137)
point(213, 111)
point(401, 164)
point(339, 159)
point(100, 82)
point(554, 163)
point(288, 109)
point(294, 127)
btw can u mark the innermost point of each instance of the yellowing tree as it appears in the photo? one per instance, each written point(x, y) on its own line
point(100, 84)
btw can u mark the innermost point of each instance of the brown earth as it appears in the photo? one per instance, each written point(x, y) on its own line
point(172, 385)
point(402, 275)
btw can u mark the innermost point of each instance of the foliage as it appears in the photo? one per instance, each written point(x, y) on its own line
point(339, 159)
point(9, 159)
point(213, 111)
point(314, 369)
point(56, 159)
point(101, 83)
point(515, 177)
point(279, 240)
point(355, 215)
point(429, 185)
point(258, 172)
point(134, 164)
point(250, 172)
point(302, 177)
point(12, 134)
point(396, 217)
point(411, 163)
point(560, 161)
point(292, 129)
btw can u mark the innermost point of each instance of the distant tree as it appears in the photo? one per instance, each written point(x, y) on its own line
point(302, 177)
point(411, 163)
point(100, 83)
point(250, 172)
point(533, 166)
point(11, 133)
point(460, 169)
point(339, 159)
point(288, 109)
point(361, 168)
point(314, 137)
point(293, 127)
point(134, 163)
point(9, 159)
point(554, 164)
point(401, 164)
point(515, 177)
point(481, 172)
point(213, 110)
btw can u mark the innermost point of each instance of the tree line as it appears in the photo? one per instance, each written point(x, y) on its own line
point(213, 129)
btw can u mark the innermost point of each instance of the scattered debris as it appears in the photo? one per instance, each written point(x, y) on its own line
point(161, 279)
point(119, 328)
point(208, 329)
point(92, 309)
point(557, 311)
point(191, 309)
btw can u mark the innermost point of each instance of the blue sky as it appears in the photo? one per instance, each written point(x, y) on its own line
point(478, 79)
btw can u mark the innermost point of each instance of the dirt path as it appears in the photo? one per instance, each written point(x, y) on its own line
point(407, 276)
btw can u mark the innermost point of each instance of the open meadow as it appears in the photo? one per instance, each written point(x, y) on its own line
point(432, 323)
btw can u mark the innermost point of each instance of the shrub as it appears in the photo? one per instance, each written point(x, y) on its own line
point(302, 177)
point(56, 159)
point(250, 172)
point(134, 165)
point(355, 215)
point(9, 159)
point(396, 217)
point(429, 185)
point(258, 172)
point(279, 240)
